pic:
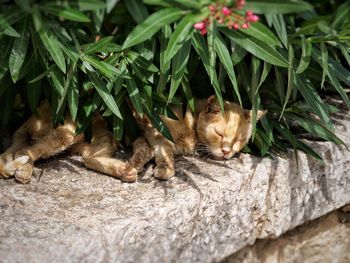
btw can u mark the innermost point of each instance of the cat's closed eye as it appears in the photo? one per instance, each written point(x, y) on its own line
point(219, 133)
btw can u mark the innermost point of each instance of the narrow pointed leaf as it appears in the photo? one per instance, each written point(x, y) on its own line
point(67, 13)
point(19, 51)
point(256, 47)
point(152, 25)
point(224, 56)
point(104, 93)
point(53, 46)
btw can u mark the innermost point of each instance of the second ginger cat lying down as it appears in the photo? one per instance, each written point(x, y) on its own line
point(221, 134)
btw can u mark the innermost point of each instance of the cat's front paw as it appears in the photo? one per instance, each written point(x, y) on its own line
point(9, 168)
point(24, 173)
point(128, 174)
point(164, 172)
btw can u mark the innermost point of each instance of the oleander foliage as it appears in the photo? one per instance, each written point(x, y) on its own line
point(93, 55)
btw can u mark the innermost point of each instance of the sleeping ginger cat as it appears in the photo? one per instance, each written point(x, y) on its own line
point(220, 134)
point(37, 139)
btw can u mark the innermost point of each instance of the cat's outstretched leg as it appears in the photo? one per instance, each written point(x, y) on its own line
point(53, 142)
point(142, 154)
point(98, 155)
point(163, 154)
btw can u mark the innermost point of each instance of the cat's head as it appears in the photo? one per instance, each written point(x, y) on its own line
point(224, 134)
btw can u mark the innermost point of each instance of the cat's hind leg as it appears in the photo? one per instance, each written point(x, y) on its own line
point(142, 154)
point(53, 142)
point(98, 155)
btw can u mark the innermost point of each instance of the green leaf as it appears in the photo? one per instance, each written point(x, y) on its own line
point(256, 47)
point(137, 10)
point(67, 13)
point(179, 67)
point(104, 93)
point(134, 95)
point(263, 33)
point(89, 5)
point(33, 89)
point(73, 97)
point(53, 46)
point(314, 127)
point(67, 86)
point(188, 93)
point(201, 48)
point(237, 53)
point(305, 55)
point(312, 98)
point(97, 46)
point(224, 56)
point(277, 6)
point(324, 53)
point(278, 23)
point(181, 34)
point(118, 128)
point(212, 32)
point(334, 67)
point(291, 73)
point(133, 57)
point(151, 26)
point(19, 51)
point(158, 123)
point(6, 47)
point(105, 68)
point(335, 83)
point(6, 28)
point(341, 14)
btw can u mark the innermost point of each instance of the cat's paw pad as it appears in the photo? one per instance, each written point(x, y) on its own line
point(128, 174)
point(9, 169)
point(24, 173)
point(163, 172)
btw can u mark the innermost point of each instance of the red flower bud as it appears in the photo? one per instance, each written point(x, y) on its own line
point(226, 11)
point(249, 13)
point(212, 8)
point(253, 18)
point(204, 31)
point(245, 26)
point(236, 26)
point(199, 25)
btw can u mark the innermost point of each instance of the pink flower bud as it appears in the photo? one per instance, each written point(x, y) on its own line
point(212, 8)
point(253, 18)
point(226, 11)
point(245, 26)
point(249, 13)
point(236, 26)
point(221, 20)
point(204, 31)
point(199, 25)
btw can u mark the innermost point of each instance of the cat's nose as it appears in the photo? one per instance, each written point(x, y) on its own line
point(226, 150)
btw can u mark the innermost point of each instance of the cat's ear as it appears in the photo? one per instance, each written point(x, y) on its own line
point(189, 119)
point(212, 105)
point(248, 114)
point(261, 113)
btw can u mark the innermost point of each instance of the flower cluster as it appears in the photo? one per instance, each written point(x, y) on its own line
point(227, 16)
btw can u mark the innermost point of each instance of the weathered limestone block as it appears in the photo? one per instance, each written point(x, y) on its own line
point(210, 210)
point(324, 240)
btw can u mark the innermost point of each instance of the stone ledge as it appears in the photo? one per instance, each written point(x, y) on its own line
point(209, 211)
point(326, 239)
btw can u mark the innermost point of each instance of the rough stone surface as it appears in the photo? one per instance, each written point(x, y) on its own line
point(209, 211)
point(324, 240)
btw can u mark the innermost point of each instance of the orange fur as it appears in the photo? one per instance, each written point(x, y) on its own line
point(37, 139)
point(221, 134)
